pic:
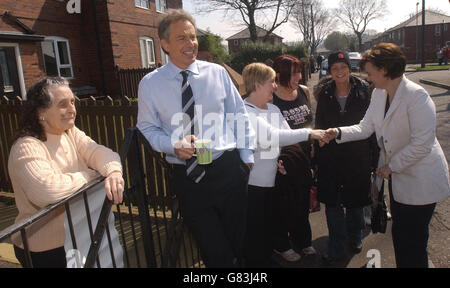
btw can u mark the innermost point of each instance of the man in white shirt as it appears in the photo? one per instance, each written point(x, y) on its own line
point(212, 197)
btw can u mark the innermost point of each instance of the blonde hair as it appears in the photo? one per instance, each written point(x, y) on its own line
point(256, 73)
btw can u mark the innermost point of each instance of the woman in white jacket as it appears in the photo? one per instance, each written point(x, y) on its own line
point(403, 116)
point(272, 132)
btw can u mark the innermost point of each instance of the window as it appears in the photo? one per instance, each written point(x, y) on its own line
point(437, 30)
point(57, 60)
point(161, 5)
point(445, 27)
point(147, 52)
point(236, 42)
point(5, 71)
point(164, 57)
point(142, 4)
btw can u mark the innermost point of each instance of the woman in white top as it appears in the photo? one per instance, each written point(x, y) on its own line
point(403, 116)
point(272, 133)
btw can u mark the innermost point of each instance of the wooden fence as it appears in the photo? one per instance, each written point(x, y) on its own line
point(105, 121)
point(129, 80)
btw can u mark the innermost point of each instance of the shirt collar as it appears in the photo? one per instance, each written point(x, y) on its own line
point(174, 71)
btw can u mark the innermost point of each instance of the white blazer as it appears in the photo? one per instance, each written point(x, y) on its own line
point(407, 138)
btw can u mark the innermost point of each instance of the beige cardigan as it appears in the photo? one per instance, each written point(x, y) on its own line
point(43, 173)
point(408, 135)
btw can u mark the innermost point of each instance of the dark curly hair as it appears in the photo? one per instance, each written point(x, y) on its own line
point(38, 99)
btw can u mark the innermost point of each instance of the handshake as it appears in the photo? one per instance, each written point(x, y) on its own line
point(324, 136)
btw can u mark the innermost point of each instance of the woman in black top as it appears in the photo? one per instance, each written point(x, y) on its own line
point(291, 207)
point(343, 170)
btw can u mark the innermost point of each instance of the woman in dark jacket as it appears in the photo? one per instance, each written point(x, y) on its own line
point(343, 170)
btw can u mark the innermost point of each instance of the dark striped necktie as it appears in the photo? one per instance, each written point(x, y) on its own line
point(193, 170)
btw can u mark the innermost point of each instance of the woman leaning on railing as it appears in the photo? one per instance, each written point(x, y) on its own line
point(50, 160)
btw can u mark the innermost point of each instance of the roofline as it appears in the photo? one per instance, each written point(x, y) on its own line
point(231, 37)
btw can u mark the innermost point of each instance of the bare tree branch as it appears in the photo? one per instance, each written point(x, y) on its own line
point(305, 18)
point(250, 11)
point(357, 14)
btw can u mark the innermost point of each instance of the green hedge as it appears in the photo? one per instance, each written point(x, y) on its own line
point(260, 52)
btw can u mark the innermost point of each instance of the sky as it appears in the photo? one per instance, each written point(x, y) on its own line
point(399, 11)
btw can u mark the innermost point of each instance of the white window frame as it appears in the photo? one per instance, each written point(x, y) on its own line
point(147, 62)
point(161, 6)
point(140, 5)
point(19, 67)
point(55, 41)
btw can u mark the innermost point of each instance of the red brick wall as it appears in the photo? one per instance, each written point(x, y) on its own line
point(119, 22)
point(408, 43)
point(127, 28)
point(48, 18)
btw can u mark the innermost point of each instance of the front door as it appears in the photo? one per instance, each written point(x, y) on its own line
point(9, 78)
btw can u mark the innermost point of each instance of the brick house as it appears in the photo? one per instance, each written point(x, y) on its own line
point(237, 40)
point(437, 33)
point(41, 37)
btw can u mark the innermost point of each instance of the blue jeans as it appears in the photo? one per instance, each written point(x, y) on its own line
point(343, 227)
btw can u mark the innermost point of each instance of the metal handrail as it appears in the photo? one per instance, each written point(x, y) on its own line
point(16, 227)
point(96, 236)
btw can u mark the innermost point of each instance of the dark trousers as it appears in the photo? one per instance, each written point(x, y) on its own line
point(410, 231)
point(291, 220)
point(215, 208)
point(258, 246)
point(55, 258)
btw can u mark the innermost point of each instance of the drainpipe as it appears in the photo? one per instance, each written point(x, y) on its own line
point(423, 34)
point(99, 49)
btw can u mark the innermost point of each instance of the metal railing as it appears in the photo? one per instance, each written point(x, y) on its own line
point(151, 230)
point(167, 241)
point(96, 235)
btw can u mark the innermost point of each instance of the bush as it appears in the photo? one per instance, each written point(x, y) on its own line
point(260, 52)
point(212, 43)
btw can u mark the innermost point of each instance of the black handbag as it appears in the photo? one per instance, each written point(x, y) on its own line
point(379, 208)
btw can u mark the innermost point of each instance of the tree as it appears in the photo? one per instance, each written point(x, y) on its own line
point(213, 44)
point(250, 10)
point(336, 41)
point(313, 21)
point(357, 14)
point(352, 42)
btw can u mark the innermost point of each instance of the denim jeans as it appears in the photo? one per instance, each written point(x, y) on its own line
point(344, 227)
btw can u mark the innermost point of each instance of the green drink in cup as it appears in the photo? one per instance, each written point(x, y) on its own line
point(203, 151)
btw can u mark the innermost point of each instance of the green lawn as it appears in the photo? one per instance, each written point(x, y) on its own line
point(431, 67)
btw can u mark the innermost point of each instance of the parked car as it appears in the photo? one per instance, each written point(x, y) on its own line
point(323, 69)
point(355, 57)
